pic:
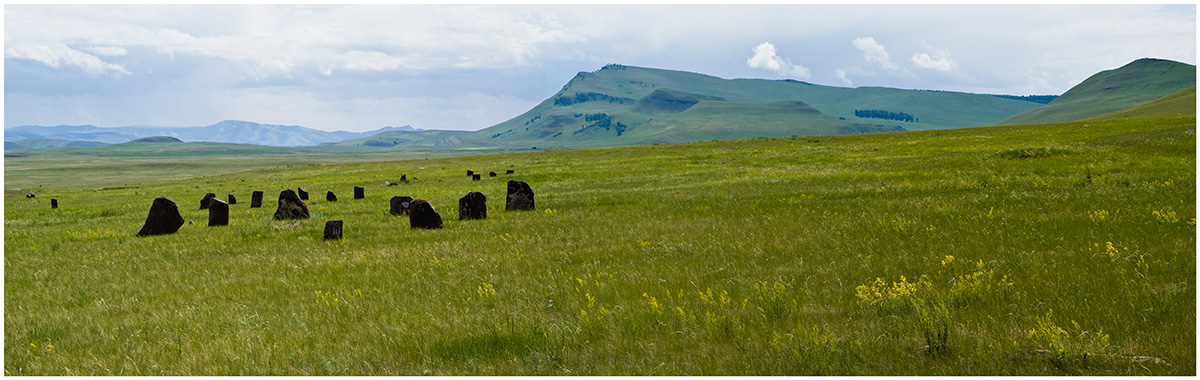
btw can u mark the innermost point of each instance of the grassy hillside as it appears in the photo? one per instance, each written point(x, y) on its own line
point(410, 140)
point(1138, 82)
point(1016, 250)
point(31, 144)
point(1179, 103)
point(652, 106)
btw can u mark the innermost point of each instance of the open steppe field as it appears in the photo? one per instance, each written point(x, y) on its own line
point(1018, 250)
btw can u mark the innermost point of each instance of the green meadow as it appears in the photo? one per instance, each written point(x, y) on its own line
point(1054, 249)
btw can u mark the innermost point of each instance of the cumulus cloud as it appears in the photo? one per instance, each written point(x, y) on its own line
point(940, 60)
point(840, 74)
point(874, 52)
point(765, 57)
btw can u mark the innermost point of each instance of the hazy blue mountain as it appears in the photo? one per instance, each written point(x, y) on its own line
point(229, 131)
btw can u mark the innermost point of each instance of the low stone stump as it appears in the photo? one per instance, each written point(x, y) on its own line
point(30, 195)
point(333, 230)
point(232, 200)
point(520, 196)
point(218, 213)
point(359, 192)
point(303, 194)
point(509, 171)
point(475, 177)
point(164, 218)
point(491, 174)
point(291, 206)
point(472, 206)
point(207, 197)
point(330, 197)
point(53, 203)
point(256, 199)
point(470, 173)
point(423, 215)
point(401, 205)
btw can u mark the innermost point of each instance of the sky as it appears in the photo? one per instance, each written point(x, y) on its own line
point(468, 67)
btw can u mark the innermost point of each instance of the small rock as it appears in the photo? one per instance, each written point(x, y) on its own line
point(509, 171)
point(472, 206)
point(291, 206)
point(164, 218)
point(256, 199)
point(218, 213)
point(423, 215)
point(333, 230)
point(207, 197)
point(520, 196)
point(303, 194)
point(53, 203)
point(401, 205)
point(475, 177)
point(232, 200)
point(330, 197)
point(491, 174)
point(358, 192)
point(403, 177)
point(30, 195)
point(470, 173)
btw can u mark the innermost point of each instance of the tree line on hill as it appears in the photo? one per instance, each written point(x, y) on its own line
point(884, 114)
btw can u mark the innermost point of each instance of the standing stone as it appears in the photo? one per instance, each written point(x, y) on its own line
point(256, 199)
point(422, 215)
point(401, 205)
point(303, 194)
point(509, 171)
point(30, 195)
point(164, 218)
point(218, 213)
point(333, 230)
point(403, 177)
point(475, 177)
point(53, 203)
point(520, 196)
point(291, 206)
point(470, 173)
point(358, 192)
point(207, 197)
point(232, 200)
point(491, 174)
point(330, 197)
point(472, 206)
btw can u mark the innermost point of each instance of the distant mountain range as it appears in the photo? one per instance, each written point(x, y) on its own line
point(625, 105)
point(229, 131)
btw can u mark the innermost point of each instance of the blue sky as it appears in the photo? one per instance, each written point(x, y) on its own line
point(468, 67)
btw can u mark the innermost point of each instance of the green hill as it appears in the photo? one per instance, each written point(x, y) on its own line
point(1179, 103)
point(410, 140)
point(626, 105)
point(1138, 82)
point(34, 144)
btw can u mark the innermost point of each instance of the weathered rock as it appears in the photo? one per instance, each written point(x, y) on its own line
point(520, 196)
point(53, 203)
point(256, 199)
point(475, 177)
point(470, 173)
point(401, 205)
point(164, 218)
point(333, 230)
point(403, 177)
point(330, 197)
point(491, 174)
point(218, 213)
point(30, 195)
point(303, 194)
point(291, 206)
point(392, 184)
point(232, 200)
point(207, 197)
point(423, 215)
point(472, 206)
point(358, 192)
point(509, 171)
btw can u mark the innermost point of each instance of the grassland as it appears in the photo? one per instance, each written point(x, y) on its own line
point(1014, 250)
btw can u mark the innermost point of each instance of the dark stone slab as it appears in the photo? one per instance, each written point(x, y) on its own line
point(303, 194)
point(330, 197)
point(423, 215)
point(256, 199)
point(30, 195)
point(291, 206)
point(53, 203)
point(218, 213)
point(520, 196)
point(333, 230)
point(509, 171)
point(359, 192)
point(403, 177)
point(207, 197)
point(491, 174)
point(472, 206)
point(470, 173)
point(401, 205)
point(164, 218)
point(232, 200)
point(475, 177)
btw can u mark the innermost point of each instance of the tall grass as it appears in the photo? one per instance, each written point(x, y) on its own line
point(716, 258)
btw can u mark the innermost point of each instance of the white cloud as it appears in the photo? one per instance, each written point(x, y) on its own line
point(59, 55)
point(107, 51)
point(841, 75)
point(874, 52)
point(765, 57)
point(942, 62)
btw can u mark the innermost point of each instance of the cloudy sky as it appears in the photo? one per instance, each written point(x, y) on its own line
point(468, 67)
